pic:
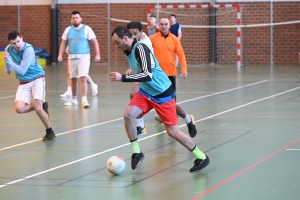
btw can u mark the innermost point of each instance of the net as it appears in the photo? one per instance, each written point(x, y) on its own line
point(209, 35)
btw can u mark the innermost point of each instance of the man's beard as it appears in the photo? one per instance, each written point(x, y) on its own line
point(76, 25)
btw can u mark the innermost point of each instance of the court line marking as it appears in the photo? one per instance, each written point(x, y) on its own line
point(7, 97)
point(292, 149)
point(215, 93)
point(78, 129)
point(243, 171)
point(126, 144)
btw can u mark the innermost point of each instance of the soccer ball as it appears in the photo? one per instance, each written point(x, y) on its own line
point(116, 165)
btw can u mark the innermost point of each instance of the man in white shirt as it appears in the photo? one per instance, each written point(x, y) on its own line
point(77, 37)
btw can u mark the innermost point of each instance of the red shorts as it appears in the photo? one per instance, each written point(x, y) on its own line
point(166, 111)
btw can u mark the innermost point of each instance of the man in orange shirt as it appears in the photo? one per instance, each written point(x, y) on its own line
point(165, 45)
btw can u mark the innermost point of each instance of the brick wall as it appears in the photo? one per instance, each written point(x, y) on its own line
point(35, 24)
point(36, 28)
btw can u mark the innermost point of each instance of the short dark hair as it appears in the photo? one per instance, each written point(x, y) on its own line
point(135, 24)
point(173, 15)
point(121, 32)
point(152, 16)
point(75, 12)
point(13, 35)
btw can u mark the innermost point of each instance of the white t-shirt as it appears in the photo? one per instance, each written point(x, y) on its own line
point(146, 40)
point(88, 34)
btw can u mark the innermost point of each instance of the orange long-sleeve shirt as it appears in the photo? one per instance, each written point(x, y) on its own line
point(164, 51)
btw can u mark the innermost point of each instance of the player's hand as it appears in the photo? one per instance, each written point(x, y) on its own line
point(128, 71)
point(59, 58)
point(97, 58)
point(115, 76)
point(6, 54)
point(184, 75)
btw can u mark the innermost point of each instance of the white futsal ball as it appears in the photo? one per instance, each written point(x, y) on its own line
point(116, 165)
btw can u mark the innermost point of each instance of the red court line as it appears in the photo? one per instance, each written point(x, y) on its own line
point(243, 171)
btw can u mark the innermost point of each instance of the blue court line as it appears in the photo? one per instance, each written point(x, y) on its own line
point(210, 99)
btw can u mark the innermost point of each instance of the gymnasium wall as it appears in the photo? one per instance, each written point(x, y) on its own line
point(35, 26)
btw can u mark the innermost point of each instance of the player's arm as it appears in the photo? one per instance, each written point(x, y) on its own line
point(182, 59)
point(97, 50)
point(27, 58)
point(91, 36)
point(63, 44)
point(142, 54)
point(62, 48)
point(8, 68)
point(179, 32)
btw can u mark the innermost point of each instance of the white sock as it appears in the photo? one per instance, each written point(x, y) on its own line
point(74, 97)
point(69, 89)
point(83, 98)
point(140, 122)
point(187, 119)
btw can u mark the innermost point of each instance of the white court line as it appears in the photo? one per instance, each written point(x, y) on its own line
point(78, 129)
point(7, 97)
point(292, 149)
point(117, 147)
point(20, 144)
point(222, 92)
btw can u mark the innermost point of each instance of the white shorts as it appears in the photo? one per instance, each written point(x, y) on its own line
point(35, 89)
point(79, 67)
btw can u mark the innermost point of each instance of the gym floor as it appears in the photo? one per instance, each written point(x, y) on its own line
point(247, 120)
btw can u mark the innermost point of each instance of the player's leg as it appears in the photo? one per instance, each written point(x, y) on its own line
point(93, 85)
point(140, 125)
point(129, 116)
point(73, 72)
point(139, 105)
point(38, 107)
point(189, 119)
point(167, 113)
point(202, 160)
point(83, 71)
point(23, 99)
point(68, 93)
point(173, 82)
point(38, 93)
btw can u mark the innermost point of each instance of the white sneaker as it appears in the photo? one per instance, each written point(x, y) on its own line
point(72, 102)
point(67, 94)
point(94, 88)
point(85, 104)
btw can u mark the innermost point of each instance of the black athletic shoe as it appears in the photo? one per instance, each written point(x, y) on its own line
point(136, 159)
point(140, 130)
point(199, 164)
point(192, 127)
point(45, 107)
point(49, 135)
